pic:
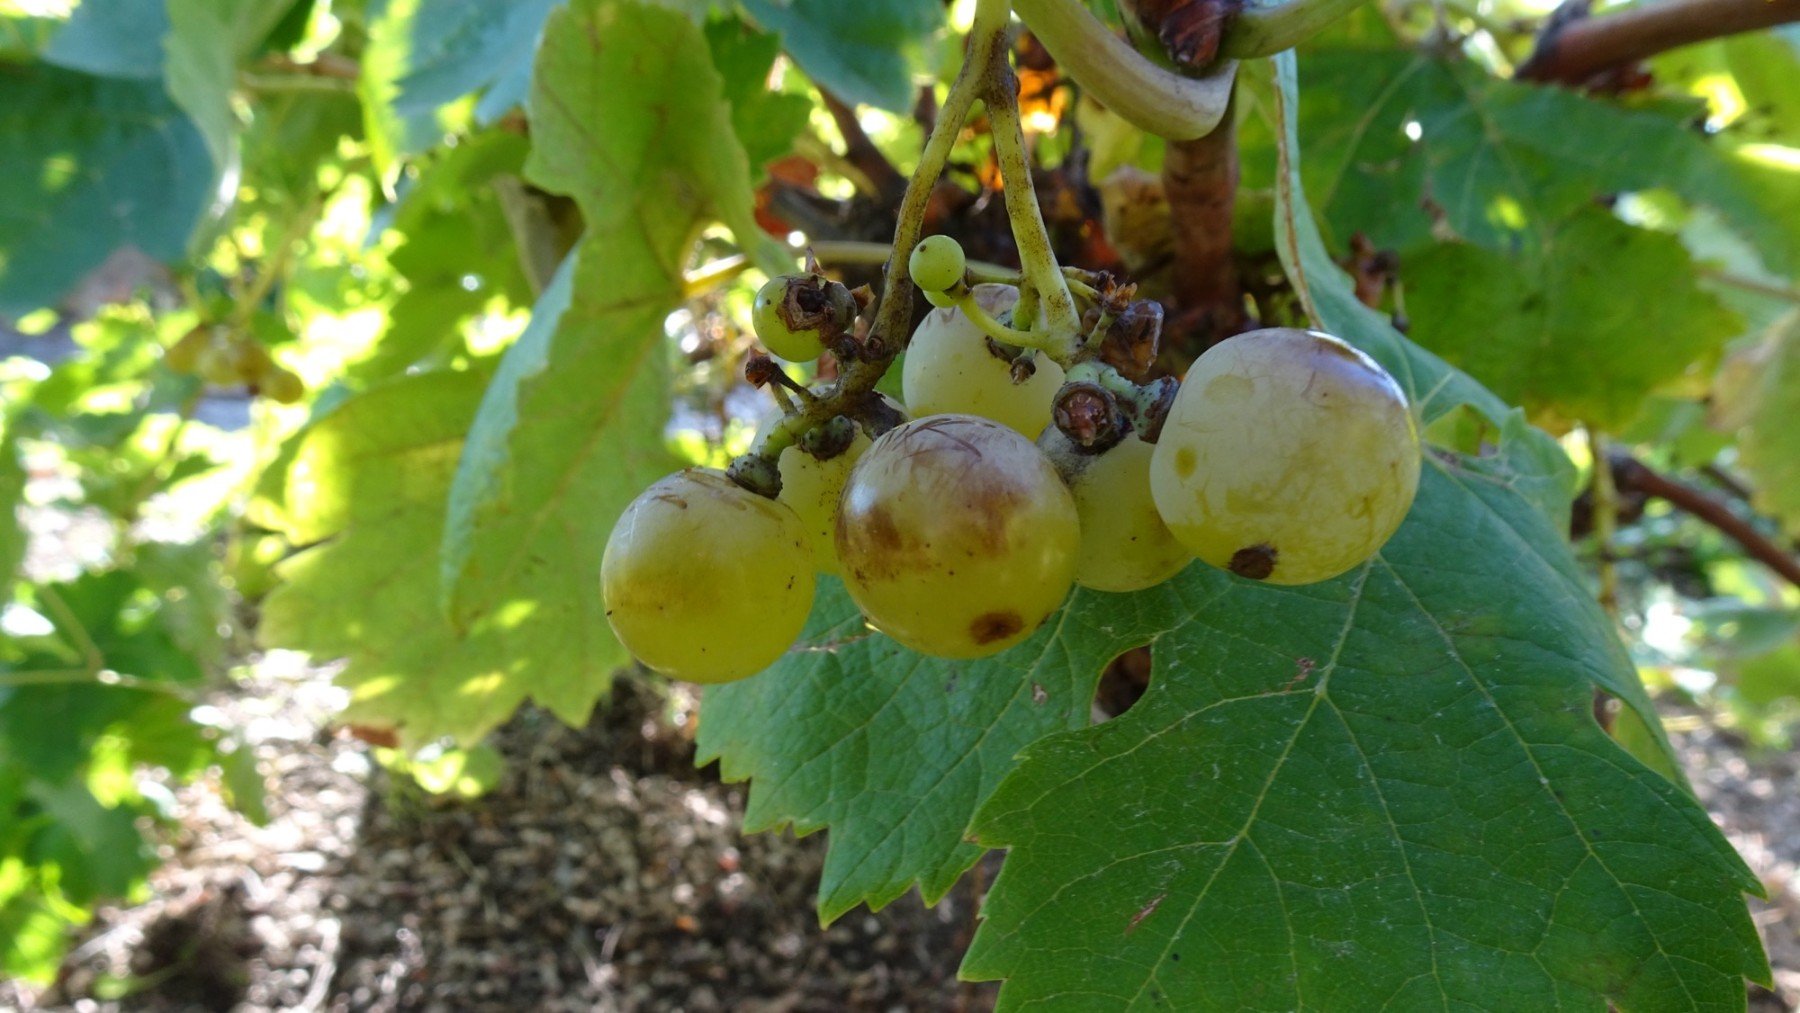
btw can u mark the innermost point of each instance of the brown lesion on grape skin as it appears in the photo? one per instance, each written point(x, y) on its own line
point(992, 626)
point(879, 529)
point(1256, 562)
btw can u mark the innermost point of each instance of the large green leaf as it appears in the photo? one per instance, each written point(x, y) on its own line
point(861, 52)
point(92, 164)
point(368, 484)
point(1610, 314)
point(1385, 791)
point(52, 711)
point(628, 118)
point(112, 38)
point(457, 255)
point(1400, 140)
point(393, 133)
point(766, 121)
point(458, 47)
point(893, 750)
point(207, 39)
point(1490, 190)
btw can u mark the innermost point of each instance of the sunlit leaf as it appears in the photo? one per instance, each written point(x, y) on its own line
point(628, 118)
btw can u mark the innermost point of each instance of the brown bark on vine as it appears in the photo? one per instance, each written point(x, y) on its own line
point(1200, 180)
point(1575, 48)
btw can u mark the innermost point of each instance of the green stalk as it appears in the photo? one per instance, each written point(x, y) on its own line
point(1150, 97)
point(1060, 320)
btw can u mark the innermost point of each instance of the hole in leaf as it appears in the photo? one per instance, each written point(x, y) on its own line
point(1606, 710)
point(1123, 683)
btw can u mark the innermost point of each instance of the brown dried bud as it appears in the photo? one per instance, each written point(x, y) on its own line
point(1133, 339)
point(1189, 30)
point(1024, 367)
point(816, 303)
point(760, 370)
point(1089, 416)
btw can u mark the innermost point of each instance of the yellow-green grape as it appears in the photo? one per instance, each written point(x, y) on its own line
point(282, 386)
point(1125, 546)
point(705, 580)
point(184, 355)
point(937, 263)
point(950, 367)
point(1288, 457)
point(811, 487)
point(956, 536)
point(250, 359)
point(773, 332)
point(218, 364)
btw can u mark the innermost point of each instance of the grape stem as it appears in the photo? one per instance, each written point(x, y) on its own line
point(963, 298)
point(1150, 97)
point(1060, 321)
point(712, 275)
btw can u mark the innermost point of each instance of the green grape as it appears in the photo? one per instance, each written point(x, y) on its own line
point(282, 386)
point(810, 487)
point(937, 263)
point(956, 536)
point(217, 364)
point(1288, 456)
point(773, 332)
point(1125, 546)
point(705, 580)
point(951, 368)
point(250, 359)
point(184, 355)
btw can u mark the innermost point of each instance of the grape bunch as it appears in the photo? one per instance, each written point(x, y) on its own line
point(959, 521)
point(225, 359)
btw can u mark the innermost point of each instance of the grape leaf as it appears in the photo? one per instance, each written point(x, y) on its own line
point(112, 38)
point(206, 40)
point(1382, 791)
point(1411, 149)
point(92, 164)
point(766, 121)
point(393, 132)
point(1613, 313)
point(860, 52)
point(628, 118)
point(893, 750)
point(1770, 443)
point(367, 483)
point(1401, 140)
point(464, 46)
point(458, 254)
